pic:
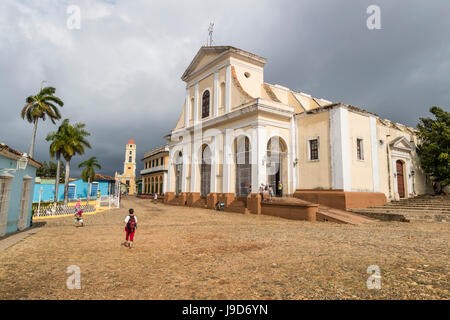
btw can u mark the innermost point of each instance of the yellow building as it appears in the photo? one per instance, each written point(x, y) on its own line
point(154, 174)
point(237, 132)
point(128, 177)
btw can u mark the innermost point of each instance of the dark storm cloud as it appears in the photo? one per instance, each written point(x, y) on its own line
point(120, 73)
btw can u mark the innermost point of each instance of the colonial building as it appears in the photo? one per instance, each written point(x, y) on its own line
point(128, 177)
point(154, 174)
point(17, 174)
point(236, 132)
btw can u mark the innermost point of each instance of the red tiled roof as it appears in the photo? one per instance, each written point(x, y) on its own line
point(3, 146)
point(131, 141)
point(100, 177)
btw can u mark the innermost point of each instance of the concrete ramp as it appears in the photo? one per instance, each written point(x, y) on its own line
point(341, 216)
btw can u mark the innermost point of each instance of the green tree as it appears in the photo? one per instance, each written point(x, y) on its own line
point(74, 138)
point(434, 148)
point(41, 106)
point(43, 170)
point(88, 173)
point(57, 146)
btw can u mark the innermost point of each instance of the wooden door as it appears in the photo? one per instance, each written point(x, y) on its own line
point(400, 179)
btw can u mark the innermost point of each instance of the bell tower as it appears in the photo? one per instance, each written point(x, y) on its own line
point(129, 168)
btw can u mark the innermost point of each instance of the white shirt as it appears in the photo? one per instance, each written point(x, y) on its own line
point(128, 218)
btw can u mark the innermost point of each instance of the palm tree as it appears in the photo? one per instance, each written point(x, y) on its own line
point(74, 138)
point(88, 173)
point(41, 106)
point(56, 149)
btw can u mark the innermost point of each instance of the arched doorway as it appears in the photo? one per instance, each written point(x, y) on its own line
point(400, 179)
point(205, 171)
point(277, 173)
point(243, 166)
point(178, 172)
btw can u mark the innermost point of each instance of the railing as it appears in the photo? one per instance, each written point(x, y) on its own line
point(110, 201)
point(60, 210)
point(154, 169)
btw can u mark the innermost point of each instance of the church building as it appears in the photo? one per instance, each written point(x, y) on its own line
point(237, 132)
point(128, 177)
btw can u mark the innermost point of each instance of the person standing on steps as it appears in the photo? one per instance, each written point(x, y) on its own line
point(130, 228)
point(280, 189)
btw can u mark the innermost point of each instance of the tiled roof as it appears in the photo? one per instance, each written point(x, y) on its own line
point(100, 177)
point(131, 141)
point(5, 147)
point(270, 92)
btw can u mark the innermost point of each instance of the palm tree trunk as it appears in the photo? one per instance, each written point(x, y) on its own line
point(58, 166)
point(66, 182)
point(33, 137)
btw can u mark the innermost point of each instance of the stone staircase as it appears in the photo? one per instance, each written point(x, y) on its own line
point(424, 208)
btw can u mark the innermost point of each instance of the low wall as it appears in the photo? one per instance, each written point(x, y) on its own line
point(291, 210)
point(342, 200)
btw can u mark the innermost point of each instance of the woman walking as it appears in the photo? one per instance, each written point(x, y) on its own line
point(130, 228)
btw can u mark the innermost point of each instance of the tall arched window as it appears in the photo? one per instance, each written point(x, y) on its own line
point(205, 104)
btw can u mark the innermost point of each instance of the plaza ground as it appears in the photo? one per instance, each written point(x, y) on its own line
point(188, 253)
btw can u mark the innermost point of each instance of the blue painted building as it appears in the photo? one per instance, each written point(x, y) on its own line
point(45, 188)
point(17, 175)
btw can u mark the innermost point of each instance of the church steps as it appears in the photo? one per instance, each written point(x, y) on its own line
point(420, 208)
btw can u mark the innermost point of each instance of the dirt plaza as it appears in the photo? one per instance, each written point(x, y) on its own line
point(188, 253)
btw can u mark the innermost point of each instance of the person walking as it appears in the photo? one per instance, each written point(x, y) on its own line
point(130, 228)
point(79, 213)
point(155, 198)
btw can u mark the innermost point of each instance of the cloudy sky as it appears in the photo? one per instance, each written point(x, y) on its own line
point(120, 72)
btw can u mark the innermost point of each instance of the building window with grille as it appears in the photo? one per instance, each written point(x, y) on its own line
point(205, 104)
point(313, 149)
point(360, 149)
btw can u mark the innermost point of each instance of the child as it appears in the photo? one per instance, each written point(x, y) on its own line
point(270, 193)
point(130, 228)
point(78, 213)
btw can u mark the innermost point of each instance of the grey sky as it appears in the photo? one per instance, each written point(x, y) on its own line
point(120, 73)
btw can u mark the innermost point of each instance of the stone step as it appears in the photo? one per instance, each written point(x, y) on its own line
point(445, 209)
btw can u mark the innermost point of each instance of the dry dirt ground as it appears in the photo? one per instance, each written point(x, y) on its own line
point(186, 253)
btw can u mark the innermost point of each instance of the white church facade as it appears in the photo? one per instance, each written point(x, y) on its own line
point(236, 132)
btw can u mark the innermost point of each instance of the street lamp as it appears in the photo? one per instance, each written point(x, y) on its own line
point(21, 164)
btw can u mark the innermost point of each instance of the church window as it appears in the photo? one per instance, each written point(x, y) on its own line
point(247, 74)
point(157, 162)
point(205, 104)
point(359, 149)
point(162, 161)
point(129, 159)
point(314, 149)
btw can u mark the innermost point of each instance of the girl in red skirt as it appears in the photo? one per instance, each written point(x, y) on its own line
point(130, 228)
